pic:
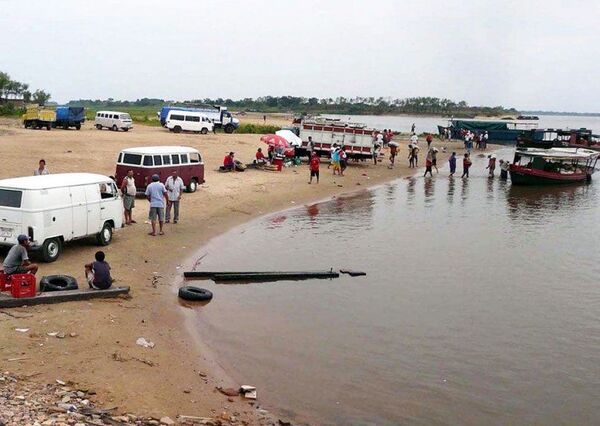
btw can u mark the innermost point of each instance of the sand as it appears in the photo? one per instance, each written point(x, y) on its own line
point(178, 376)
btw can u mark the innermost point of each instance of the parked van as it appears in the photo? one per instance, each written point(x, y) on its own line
point(54, 209)
point(161, 160)
point(189, 121)
point(113, 120)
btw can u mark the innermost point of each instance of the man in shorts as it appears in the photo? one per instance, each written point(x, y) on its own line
point(314, 167)
point(155, 192)
point(17, 260)
point(97, 273)
point(129, 190)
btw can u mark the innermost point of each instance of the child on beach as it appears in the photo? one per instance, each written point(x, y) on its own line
point(314, 167)
point(97, 273)
point(452, 163)
point(466, 164)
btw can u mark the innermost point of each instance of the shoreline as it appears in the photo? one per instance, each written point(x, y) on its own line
point(108, 329)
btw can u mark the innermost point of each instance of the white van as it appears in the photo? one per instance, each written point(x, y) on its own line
point(190, 121)
point(54, 209)
point(113, 120)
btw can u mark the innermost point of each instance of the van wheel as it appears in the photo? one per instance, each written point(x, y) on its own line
point(126, 129)
point(204, 130)
point(51, 249)
point(78, 126)
point(229, 128)
point(99, 126)
point(192, 186)
point(177, 129)
point(115, 128)
point(48, 127)
point(104, 237)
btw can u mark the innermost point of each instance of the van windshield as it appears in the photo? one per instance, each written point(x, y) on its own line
point(125, 117)
point(10, 198)
point(135, 159)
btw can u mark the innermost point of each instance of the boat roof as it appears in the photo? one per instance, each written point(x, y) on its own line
point(58, 180)
point(160, 150)
point(496, 120)
point(559, 153)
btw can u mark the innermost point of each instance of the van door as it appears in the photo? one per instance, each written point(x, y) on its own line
point(108, 198)
point(80, 216)
point(92, 198)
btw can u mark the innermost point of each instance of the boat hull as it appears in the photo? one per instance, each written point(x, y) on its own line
point(524, 176)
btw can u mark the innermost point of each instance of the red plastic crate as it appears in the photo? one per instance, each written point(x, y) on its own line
point(22, 285)
point(4, 281)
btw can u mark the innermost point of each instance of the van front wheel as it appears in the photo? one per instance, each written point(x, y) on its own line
point(99, 126)
point(177, 129)
point(51, 250)
point(193, 185)
point(115, 128)
point(104, 237)
point(204, 130)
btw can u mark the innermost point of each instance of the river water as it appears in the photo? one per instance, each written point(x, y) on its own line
point(481, 305)
point(403, 123)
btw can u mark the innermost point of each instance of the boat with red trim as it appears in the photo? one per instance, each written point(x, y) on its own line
point(559, 138)
point(536, 166)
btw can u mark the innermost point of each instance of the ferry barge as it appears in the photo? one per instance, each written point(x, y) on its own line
point(503, 132)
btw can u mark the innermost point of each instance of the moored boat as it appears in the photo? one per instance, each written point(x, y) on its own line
point(535, 166)
point(504, 131)
point(569, 138)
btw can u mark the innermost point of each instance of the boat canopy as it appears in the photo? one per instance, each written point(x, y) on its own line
point(559, 153)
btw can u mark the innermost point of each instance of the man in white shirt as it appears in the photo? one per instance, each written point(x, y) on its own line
point(129, 190)
point(41, 170)
point(414, 140)
point(175, 187)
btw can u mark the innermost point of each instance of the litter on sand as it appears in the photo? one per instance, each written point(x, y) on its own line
point(249, 392)
point(145, 343)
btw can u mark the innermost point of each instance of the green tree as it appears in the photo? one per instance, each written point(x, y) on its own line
point(40, 97)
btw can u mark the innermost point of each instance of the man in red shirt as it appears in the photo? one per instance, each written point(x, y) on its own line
point(228, 162)
point(429, 139)
point(314, 167)
point(260, 157)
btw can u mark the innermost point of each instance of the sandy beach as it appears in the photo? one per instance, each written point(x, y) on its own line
point(177, 376)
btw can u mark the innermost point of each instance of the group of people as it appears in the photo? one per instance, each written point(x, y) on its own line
point(480, 139)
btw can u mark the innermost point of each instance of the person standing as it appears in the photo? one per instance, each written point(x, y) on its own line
point(17, 260)
point(415, 155)
point(452, 163)
point(412, 128)
point(393, 153)
point(128, 190)
point(264, 118)
point(155, 192)
point(314, 167)
point(429, 139)
point(175, 187)
point(466, 165)
point(335, 160)
point(414, 140)
point(428, 164)
point(485, 139)
point(310, 147)
point(504, 168)
point(434, 152)
point(343, 160)
point(41, 170)
point(491, 164)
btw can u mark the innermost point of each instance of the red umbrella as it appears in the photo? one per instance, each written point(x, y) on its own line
point(276, 141)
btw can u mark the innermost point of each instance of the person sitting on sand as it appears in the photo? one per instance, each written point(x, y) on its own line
point(261, 160)
point(97, 273)
point(229, 162)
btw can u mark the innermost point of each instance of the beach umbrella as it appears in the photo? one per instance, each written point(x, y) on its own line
point(275, 141)
point(290, 136)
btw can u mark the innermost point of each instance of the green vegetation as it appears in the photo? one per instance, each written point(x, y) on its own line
point(257, 128)
point(300, 105)
point(14, 94)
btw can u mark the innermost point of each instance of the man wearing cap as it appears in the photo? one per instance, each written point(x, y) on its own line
point(17, 260)
point(155, 192)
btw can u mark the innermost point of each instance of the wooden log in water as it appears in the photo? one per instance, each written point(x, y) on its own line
point(6, 301)
point(353, 273)
point(261, 275)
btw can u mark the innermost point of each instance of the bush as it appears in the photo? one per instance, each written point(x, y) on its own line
point(260, 129)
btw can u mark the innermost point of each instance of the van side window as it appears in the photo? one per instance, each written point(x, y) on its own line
point(115, 116)
point(10, 198)
point(157, 160)
point(192, 118)
point(184, 158)
point(194, 157)
point(175, 158)
point(148, 160)
point(135, 159)
point(166, 159)
point(107, 190)
point(120, 157)
point(177, 117)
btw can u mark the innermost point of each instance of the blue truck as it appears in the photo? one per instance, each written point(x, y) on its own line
point(217, 114)
point(69, 117)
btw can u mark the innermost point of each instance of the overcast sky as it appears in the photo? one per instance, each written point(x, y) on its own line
point(526, 54)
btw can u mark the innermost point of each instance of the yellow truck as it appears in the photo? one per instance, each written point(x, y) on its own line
point(38, 117)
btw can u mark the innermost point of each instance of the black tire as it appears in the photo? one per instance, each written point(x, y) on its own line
point(65, 127)
point(115, 128)
point(48, 127)
point(177, 129)
point(192, 186)
point(104, 237)
point(126, 129)
point(99, 126)
point(58, 283)
point(51, 249)
point(229, 128)
point(204, 130)
point(78, 126)
point(195, 294)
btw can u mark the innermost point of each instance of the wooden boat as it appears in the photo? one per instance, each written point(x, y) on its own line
point(535, 166)
point(261, 275)
point(559, 138)
point(503, 132)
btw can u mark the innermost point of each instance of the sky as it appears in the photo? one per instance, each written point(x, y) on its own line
point(522, 54)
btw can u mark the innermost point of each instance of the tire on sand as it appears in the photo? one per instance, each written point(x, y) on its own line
point(58, 283)
point(195, 294)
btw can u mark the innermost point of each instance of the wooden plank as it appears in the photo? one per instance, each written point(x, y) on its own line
point(353, 273)
point(62, 296)
point(275, 276)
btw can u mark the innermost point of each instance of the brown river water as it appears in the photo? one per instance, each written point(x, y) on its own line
point(481, 305)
